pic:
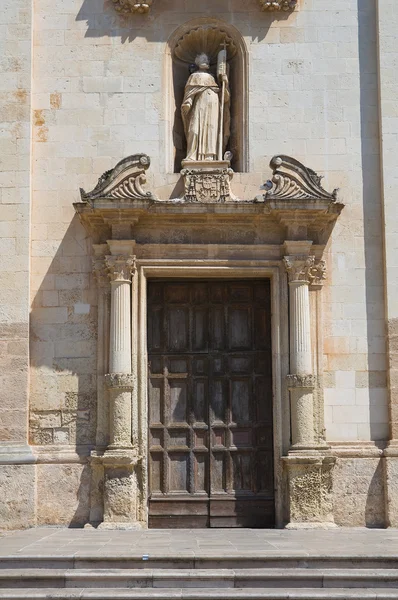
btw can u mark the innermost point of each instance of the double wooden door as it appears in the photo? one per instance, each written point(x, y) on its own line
point(210, 404)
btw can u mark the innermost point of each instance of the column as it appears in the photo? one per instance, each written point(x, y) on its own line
point(121, 456)
point(301, 379)
point(309, 464)
point(120, 379)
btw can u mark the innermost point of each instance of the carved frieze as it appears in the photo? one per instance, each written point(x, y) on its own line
point(291, 180)
point(124, 182)
point(120, 268)
point(278, 5)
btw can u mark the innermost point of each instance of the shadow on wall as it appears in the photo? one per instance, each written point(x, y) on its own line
point(376, 379)
point(63, 395)
point(103, 20)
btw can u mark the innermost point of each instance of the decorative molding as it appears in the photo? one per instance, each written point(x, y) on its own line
point(291, 180)
point(120, 268)
point(278, 5)
point(207, 185)
point(124, 182)
point(126, 7)
point(121, 381)
point(300, 381)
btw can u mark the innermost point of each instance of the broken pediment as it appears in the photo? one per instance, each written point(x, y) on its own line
point(126, 7)
point(125, 181)
point(292, 180)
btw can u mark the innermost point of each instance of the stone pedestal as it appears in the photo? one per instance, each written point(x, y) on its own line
point(310, 490)
point(207, 181)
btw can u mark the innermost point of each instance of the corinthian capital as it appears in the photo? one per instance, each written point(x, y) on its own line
point(305, 268)
point(100, 272)
point(299, 267)
point(120, 268)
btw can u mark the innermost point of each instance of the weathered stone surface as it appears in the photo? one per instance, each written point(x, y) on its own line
point(18, 504)
point(63, 492)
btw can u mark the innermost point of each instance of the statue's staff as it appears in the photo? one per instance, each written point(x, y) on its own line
point(221, 74)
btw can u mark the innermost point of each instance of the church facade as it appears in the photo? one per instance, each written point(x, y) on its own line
point(199, 314)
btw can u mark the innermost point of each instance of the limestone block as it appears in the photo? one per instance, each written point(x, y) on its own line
point(63, 494)
point(17, 492)
point(358, 492)
point(391, 483)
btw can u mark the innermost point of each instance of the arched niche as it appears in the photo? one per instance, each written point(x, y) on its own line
point(205, 35)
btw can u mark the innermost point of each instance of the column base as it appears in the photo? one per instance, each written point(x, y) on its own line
point(120, 489)
point(120, 526)
point(302, 526)
point(309, 474)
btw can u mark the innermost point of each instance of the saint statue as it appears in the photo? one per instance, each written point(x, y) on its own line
point(205, 110)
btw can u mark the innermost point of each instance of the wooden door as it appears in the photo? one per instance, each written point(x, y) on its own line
point(210, 404)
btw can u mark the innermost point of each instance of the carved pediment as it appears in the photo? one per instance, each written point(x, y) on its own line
point(143, 7)
point(291, 180)
point(124, 182)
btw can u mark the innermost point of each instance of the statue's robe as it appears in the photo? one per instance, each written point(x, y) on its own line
point(201, 115)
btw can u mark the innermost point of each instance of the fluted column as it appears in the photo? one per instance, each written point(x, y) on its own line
point(119, 379)
point(299, 267)
point(309, 463)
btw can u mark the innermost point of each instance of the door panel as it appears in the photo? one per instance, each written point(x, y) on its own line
point(210, 404)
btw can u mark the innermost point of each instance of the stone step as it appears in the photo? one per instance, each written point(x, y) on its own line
point(199, 594)
point(84, 560)
point(209, 578)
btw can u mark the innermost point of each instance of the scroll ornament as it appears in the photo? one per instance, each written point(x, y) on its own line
point(291, 180)
point(124, 182)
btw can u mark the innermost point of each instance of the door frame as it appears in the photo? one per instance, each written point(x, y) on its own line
point(208, 269)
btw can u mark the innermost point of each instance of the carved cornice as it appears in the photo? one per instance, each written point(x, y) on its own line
point(120, 268)
point(123, 182)
point(278, 5)
point(291, 180)
point(127, 7)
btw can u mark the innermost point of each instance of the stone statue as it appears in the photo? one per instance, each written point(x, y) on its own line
point(205, 111)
